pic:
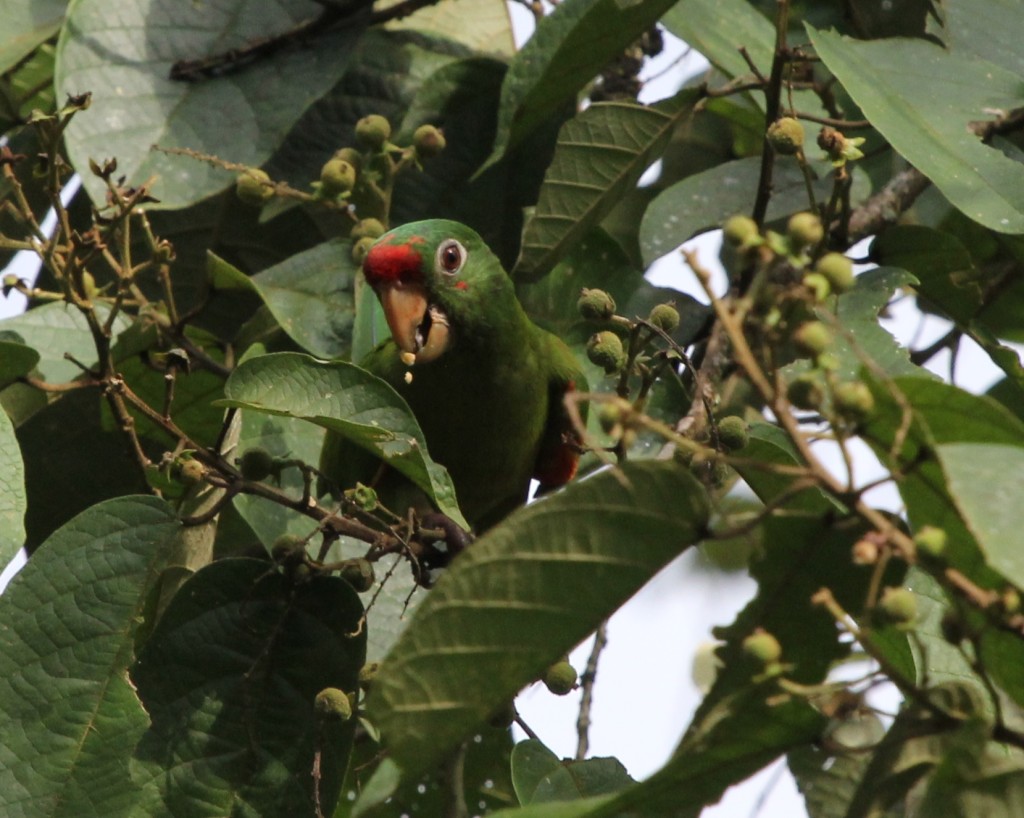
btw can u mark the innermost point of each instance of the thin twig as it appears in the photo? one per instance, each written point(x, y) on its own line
point(587, 685)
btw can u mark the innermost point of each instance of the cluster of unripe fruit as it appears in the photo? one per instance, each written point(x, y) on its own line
point(605, 348)
point(786, 136)
point(340, 174)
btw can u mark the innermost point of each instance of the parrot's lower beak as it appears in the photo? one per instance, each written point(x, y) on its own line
point(420, 329)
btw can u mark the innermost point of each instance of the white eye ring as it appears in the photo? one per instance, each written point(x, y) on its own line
point(451, 255)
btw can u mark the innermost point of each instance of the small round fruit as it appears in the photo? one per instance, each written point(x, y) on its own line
point(609, 415)
point(818, 285)
point(361, 248)
point(805, 392)
point(813, 338)
point(786, 136)
point(288, 548)
point(367, 673)
point(763, 647)
point(337, 177)
point(253, 186)
point(605, 349)
point(332, 704)
point(560, 678)
point(359, 574)
point(367, 228)
point(428, 141)
point(350, 155)
point(665, 317)
point(595, 305)
point(853, 401)
point(804, 229)
point(740, 231)
point(373, 131)
point(256, 464)
point(898, 606)
point(192, 472)
point(838, 269)
point(733, 433)
point(931, 541)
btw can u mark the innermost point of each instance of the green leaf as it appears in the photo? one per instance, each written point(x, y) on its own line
point(922, 98)
point(309, 295)
point(857, 312)
point(16, 359)
point(532, 762)
point(703, 201)
point(501, 614)
point(346, 399)
point(72, 462)
point(70, 716)
point(229, 677)
point(567, 50)
point(983, 478)
point(13, 500)
point(573, 780)
point(483, 27)
point(600, 154)
point(136, 105)
point(55, 329)
point(989, 29)
point(717, 29)
point(26, 25)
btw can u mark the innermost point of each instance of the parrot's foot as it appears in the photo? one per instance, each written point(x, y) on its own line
point(453, 539)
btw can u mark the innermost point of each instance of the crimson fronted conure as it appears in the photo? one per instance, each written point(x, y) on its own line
point(485, 383)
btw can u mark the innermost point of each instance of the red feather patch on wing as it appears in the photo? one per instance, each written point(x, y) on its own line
point(560, 450)
point(392, 263)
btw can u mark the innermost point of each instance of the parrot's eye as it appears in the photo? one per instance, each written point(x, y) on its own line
point(450, 257)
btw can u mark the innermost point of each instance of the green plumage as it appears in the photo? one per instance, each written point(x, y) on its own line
point(490, 405)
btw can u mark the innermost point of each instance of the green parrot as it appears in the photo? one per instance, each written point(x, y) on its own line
point(485, 383)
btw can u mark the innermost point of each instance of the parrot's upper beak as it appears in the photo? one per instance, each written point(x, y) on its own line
point(420, 329)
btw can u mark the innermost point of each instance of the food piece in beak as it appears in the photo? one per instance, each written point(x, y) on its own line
point(420, 329)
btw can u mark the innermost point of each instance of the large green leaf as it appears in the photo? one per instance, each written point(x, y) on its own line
point(346, 399)
point(26, 25)
point(923, 98)
point(600, 154)
point(483, 27)
point(229, 677)
point(717, 29)
point(13, 500)
point(983, 480)
point(309, 295)
point(568, 49)
point(530, 589)
point(70, 715)
point(136, 105)
point(16, 359)
point(56, 329)
point(989, 29)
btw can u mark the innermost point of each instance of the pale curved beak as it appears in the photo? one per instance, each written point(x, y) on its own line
point(419, 328)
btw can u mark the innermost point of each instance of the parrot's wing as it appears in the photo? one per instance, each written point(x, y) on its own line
point(560, 445)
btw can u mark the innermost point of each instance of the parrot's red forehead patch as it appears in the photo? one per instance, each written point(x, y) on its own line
point(393, 262)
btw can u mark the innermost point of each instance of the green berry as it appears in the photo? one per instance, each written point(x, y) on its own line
point(361, 248)
point(288, 548)
point(733, 433)
point(368, 228)
point(838, 269)
point(256, 464)
point(605, 349)
point(665, 317)
point(1010, 601)
point(786, 136)
point(805, 392)
point(373, 131)
point(332, 704)
point(595, 305)
point(813, 338)
point(609, 415)
point(337, 177)
point(350, 155)
point(560, 678)
point(10, 282)
point(804, 229)
point(359, 574)
point(428, 141)
point(931, 541)
point(740, 231)
point(763, 647)
point(192, 472)
point(853, 401)
point(253, 186)
point(818, 285)
point(898, 606)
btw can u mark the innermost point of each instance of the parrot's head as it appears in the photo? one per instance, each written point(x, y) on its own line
point(434, 279)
